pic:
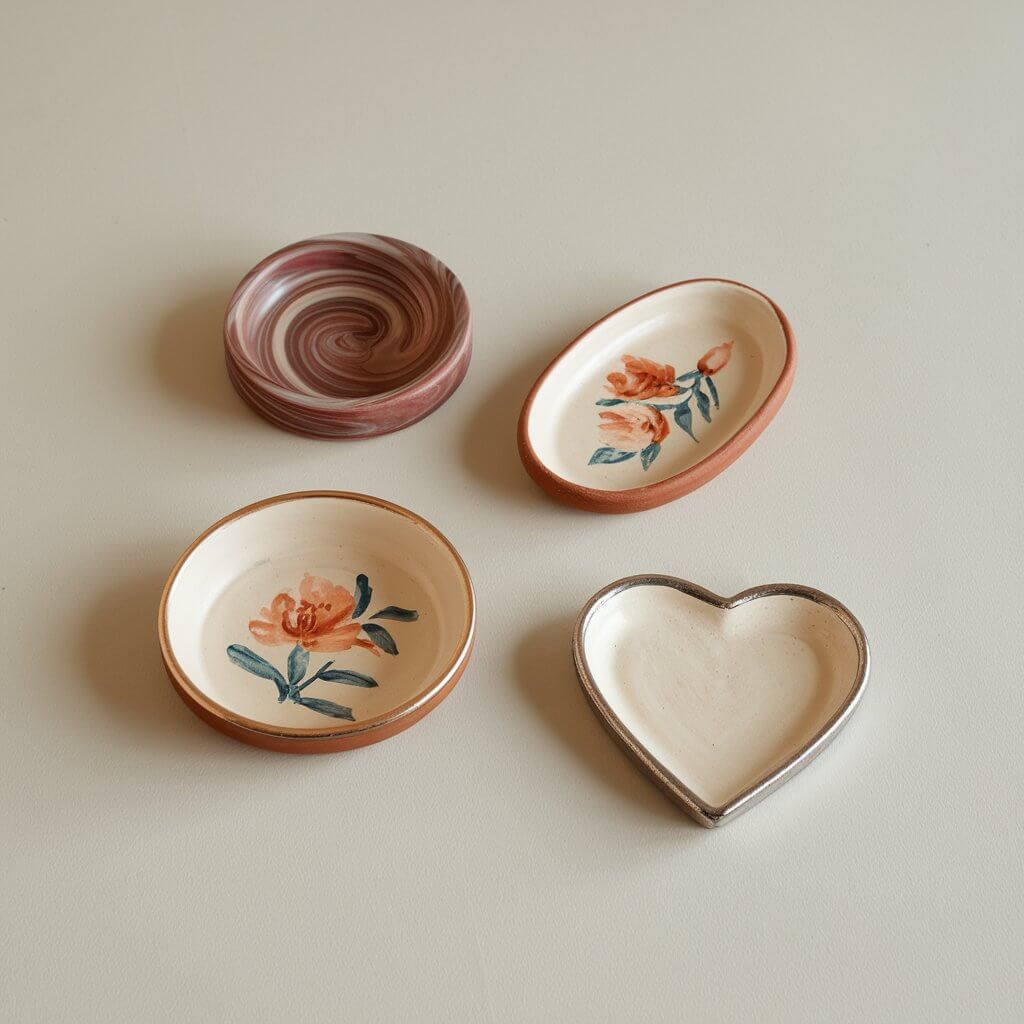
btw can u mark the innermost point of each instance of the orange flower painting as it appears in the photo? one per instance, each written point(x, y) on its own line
point(634, 425)
point(324, 618)
point(320, 621)
point(642, 378)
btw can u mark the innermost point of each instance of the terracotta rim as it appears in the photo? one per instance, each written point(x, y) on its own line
point(454, 361)
point(337, 737)
point(636, 499)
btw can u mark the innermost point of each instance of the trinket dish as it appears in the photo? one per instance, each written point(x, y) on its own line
point(657, 397)
point(720, 700)
point(317, 621)
point(347, 336)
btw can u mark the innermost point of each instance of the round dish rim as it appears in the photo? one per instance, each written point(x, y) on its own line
point(359, 733)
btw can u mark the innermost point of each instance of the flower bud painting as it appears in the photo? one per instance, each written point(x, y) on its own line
point(632, 424)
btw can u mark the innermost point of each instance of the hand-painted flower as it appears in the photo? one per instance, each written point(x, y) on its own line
point(643, 379)
point(714, 359)
point(633, 427)
point(319, 621)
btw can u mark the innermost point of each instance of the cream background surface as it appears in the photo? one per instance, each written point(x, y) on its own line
point(503, 861)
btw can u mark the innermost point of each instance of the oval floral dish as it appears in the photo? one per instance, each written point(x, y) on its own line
point(317, 621)
point(658, 397)
point(348, 336)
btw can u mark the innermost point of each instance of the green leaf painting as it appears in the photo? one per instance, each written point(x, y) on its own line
point(323, 618)
point(631, 424)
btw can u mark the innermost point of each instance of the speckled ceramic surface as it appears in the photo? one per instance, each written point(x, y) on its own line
point(348, 335)
point(658, 397)
point(317, 621)
point(719, 699)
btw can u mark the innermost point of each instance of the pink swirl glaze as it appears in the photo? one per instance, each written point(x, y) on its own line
point(348, 335)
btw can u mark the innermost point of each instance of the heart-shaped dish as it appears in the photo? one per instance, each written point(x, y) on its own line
point(657, 397)
point(720, 700)
point(317, 621)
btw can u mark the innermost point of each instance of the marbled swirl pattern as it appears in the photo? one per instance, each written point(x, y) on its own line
point(348, 336)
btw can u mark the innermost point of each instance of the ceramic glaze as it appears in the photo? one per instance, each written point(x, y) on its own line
point(348, 335)
point(658, 397)
point(720, 699)
point(317, 621)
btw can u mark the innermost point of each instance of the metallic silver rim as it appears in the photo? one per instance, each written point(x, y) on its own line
point(705, 813)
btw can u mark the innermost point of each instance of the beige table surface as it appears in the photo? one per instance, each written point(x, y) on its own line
point(502, 861)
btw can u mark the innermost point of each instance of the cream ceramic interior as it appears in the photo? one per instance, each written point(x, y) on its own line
point(674, 326)
point(237, 570)
point(719, 698)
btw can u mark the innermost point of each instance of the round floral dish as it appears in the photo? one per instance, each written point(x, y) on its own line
point(317, 621)
point(771, 676)
point(347, 336)
point(658, 397)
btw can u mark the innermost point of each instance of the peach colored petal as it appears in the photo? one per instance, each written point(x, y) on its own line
point(624, 432)
point(269, 628)
point(642, 365)
point(643, 379)
point(319, 591)
point(341, 638)
point(371, 647)
point(314, 589)
point(283, 604)
point(615, 425)
point(269, 633)
point(633, 427)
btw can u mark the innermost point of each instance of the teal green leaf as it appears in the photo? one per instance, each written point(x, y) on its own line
point(609, 401)
point(298, 661)
point(363, 594)
point(692, 375)
point(684, 418)
point(649, 454)
point(608, 455)
point(396, 613)
point(252, 662)
point(381, 637)
point(337, 675)
point(702, 403)
point(714, 391)
point(326, 707)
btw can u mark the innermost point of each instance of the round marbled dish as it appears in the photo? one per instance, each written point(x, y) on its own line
point(347, 336)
